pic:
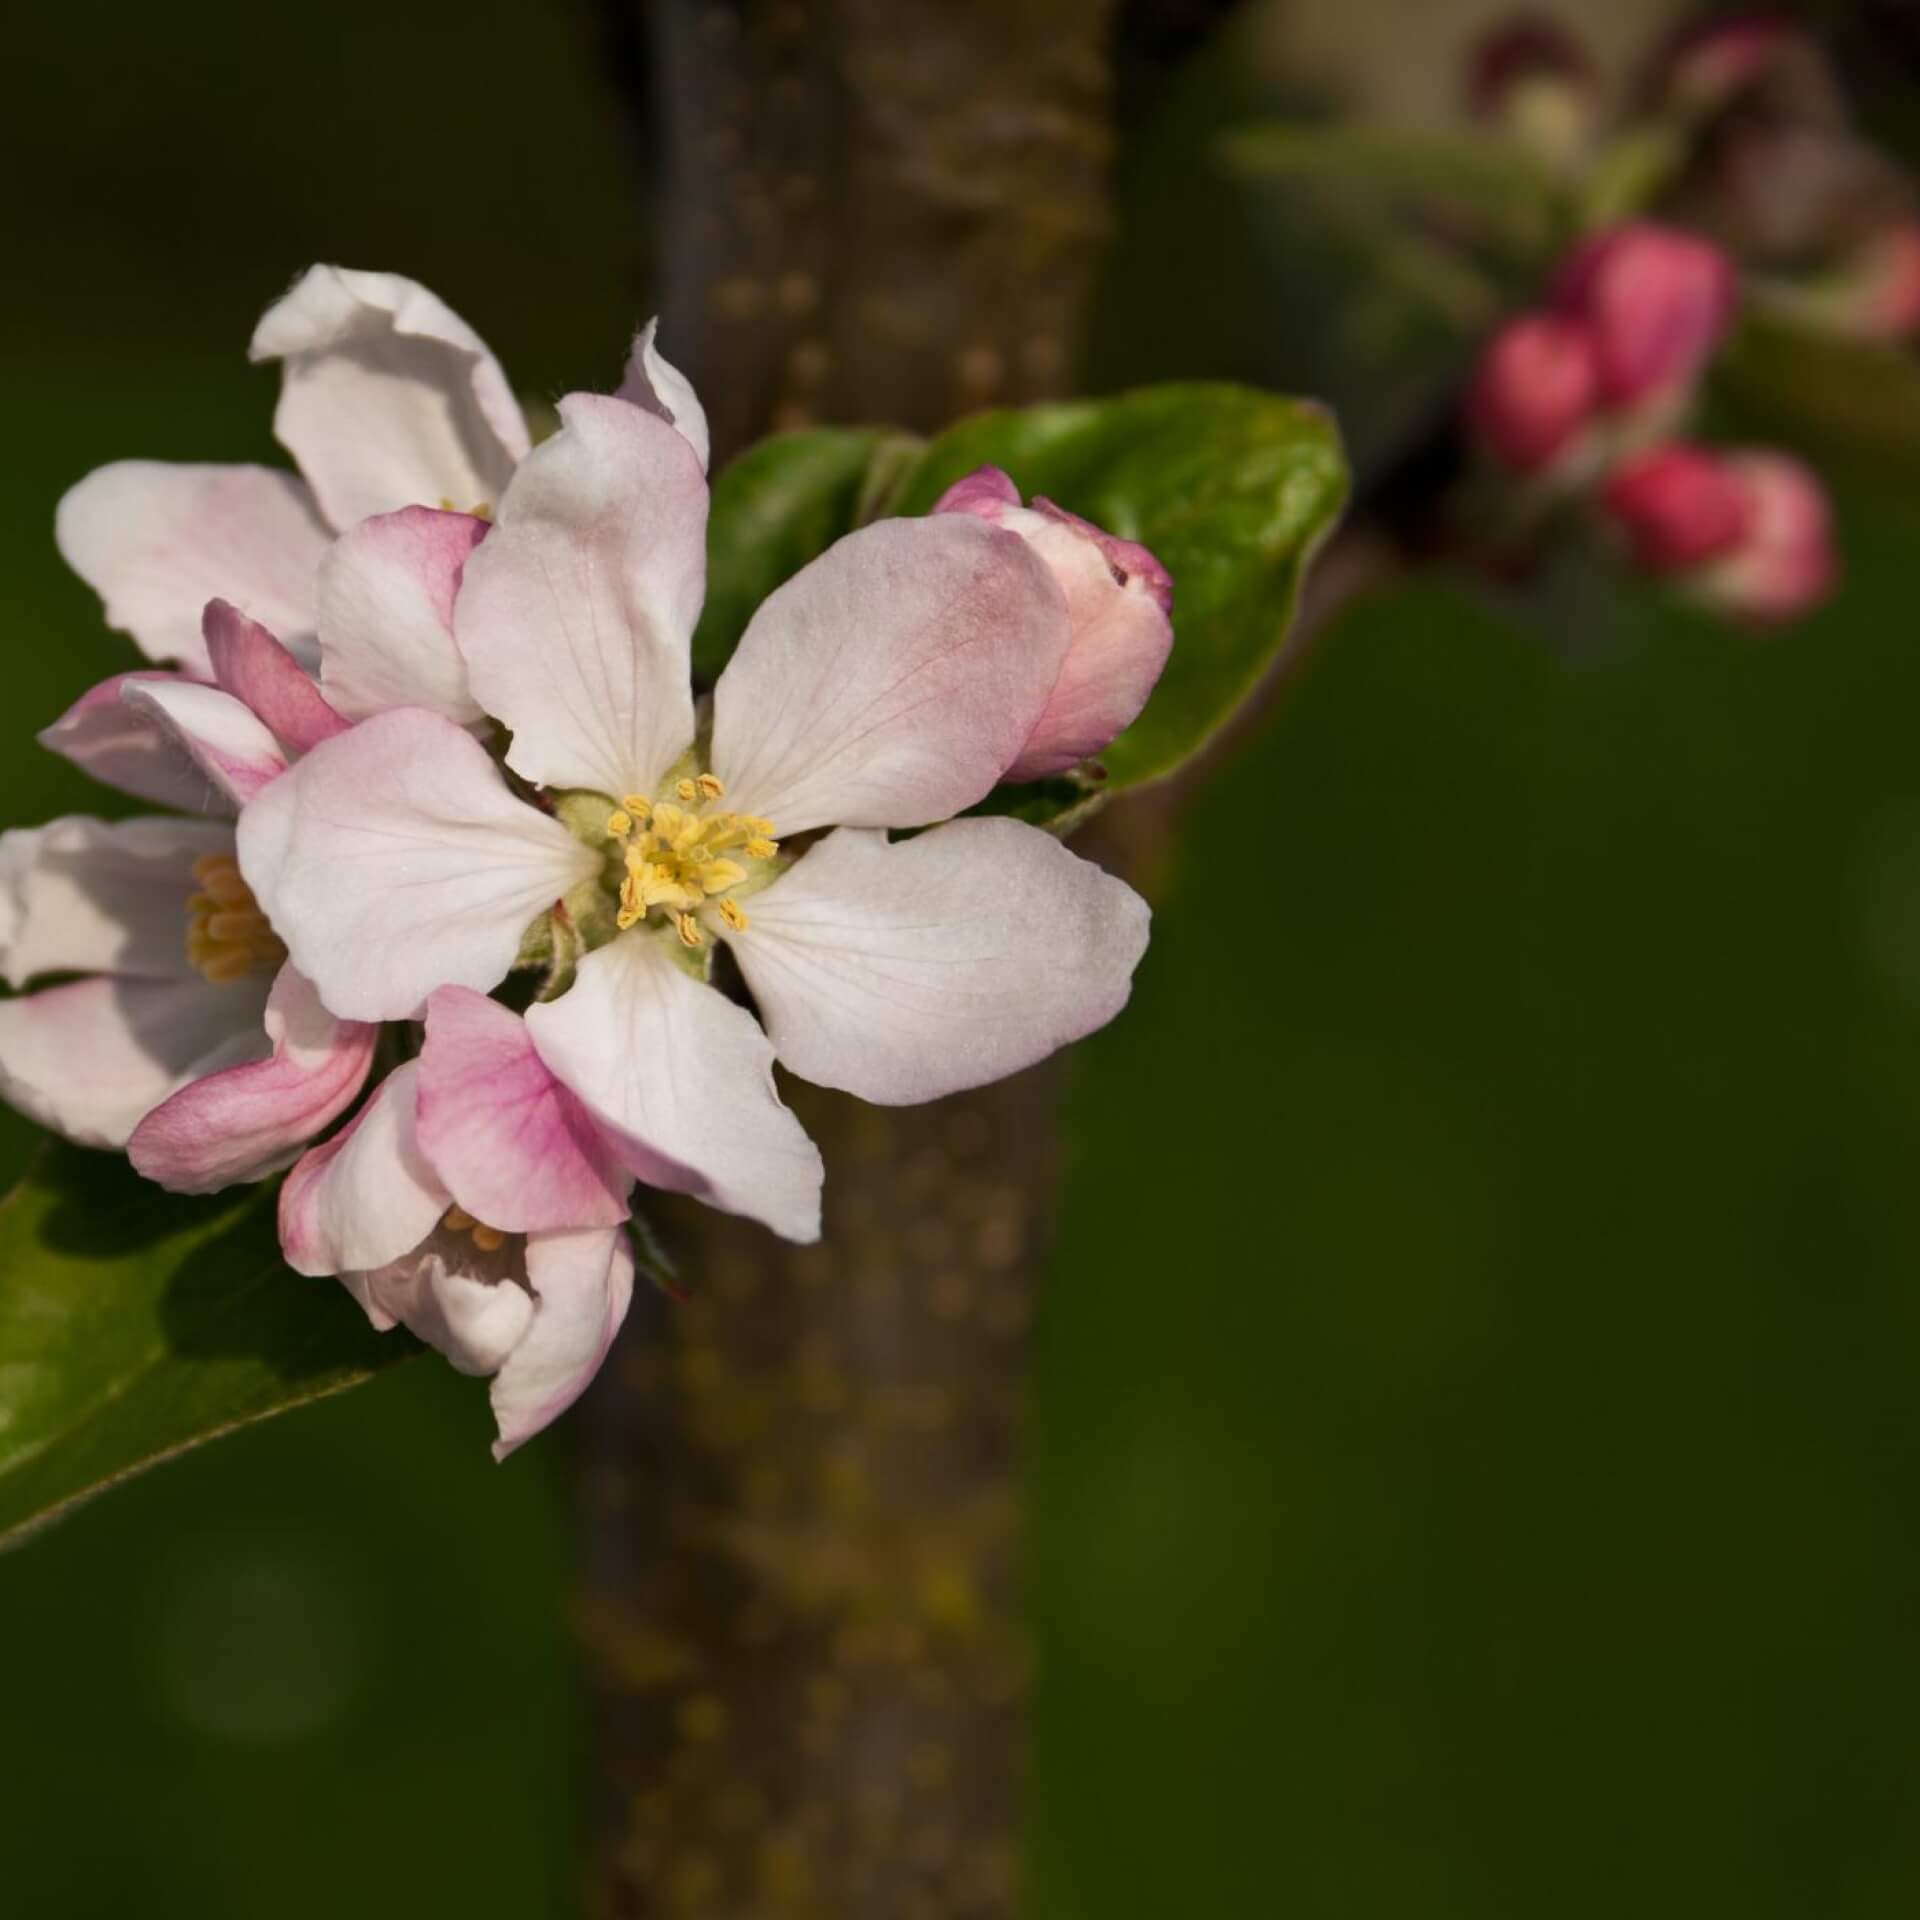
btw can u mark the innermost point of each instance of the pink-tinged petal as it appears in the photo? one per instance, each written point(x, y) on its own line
point(386, 614)
point(906, 971)
point(1785, 564)
point(576, 617)
point(684, 1080)
point(120, 747)
point(217, 732)
point(986, 492)
point(894, 680)
point(250, 1121)
point(393, 860)
point(388, 398)
point(91, 1059)
point(584, 1284)
point(514, 1147)
point(249, 663)
point(96, 896)
point(471, 1308)
point(157, 541)
point(661, 389)
point(362, 1199)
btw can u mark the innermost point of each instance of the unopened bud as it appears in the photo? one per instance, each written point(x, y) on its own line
point(1679, 507)
point(1658, 303)
point(1709, 65)
point(1533, 391)
point(1118, 598)
point(1532, 79)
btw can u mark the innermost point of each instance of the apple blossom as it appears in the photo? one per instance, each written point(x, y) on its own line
point(888, 685)
point(1534, 390)
point(389, 400)
point(1118, 601)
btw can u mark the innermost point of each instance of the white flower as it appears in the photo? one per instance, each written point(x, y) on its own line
point(389, 401)
point(889, 685)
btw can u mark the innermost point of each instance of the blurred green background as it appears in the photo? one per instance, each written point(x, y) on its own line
point(1474, 1426)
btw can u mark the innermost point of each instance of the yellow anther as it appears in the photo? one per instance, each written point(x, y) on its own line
point(228, 937)
point(710, 787)
point(459, 1219)
point(686, 790)
point(731, 914)
point(688, 929)
point(754, 824)
point(488, 1239)
point(223, 966)
point(716, 876)
point(619, 824)
point(236, 923)
point(761, 848)
point(638, 805)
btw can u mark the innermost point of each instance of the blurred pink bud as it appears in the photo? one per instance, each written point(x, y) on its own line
point(1876, 294)
point(1534, 390)
point(1707, 65)
point(1785, 562)
point(1679, 506)
point(1659, 303)
point(1119, 598)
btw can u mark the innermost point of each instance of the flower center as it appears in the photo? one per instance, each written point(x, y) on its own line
point(679, 856)
point(487, 1239)
point(227, 935)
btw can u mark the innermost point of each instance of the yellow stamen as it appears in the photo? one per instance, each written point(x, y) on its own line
point(760, 848)
point(730, 912)
point(686, 790)
point(488, 1239)
point(688, 929)
point(638, 805)
point(619, 824)
point(716, 876)
point(710, 787)
point(228, 937)
point(459, 1219)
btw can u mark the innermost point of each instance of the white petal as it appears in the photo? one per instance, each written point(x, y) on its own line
point(91, 1059)
point(684, 1079)
point(388, 399)
point(89, 896)
point(584, 1282)
point(393, 860)
point(892, 681)
point(158, 541)
point(576, 616)
point(658, 388)
point(467, 1306)
point(903, 972)
point(366, 1196)
point(218, 733)
point(386, 614)
point(123, 748)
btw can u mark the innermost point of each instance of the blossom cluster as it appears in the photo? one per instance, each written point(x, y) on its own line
point(467, 909)
point(1730, 176)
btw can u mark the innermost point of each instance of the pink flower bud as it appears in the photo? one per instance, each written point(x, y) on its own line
point(1119, 598)
point(1679, 507)
point(1785, 563)
point(1658, 302)
point(1533, 390)
point(1707, 65)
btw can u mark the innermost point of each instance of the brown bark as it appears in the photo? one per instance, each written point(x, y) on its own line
point(801, 1502)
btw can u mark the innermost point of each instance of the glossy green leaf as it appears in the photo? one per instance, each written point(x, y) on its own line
point(1233, 489)
point(779, 504)
point(135, 1324)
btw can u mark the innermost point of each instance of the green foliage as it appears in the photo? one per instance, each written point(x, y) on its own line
point(135, 1324)
point(1232, 489)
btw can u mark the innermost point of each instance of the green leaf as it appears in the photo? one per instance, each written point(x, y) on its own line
point(779, 504)
point(1232, 489)
point(135, 1324)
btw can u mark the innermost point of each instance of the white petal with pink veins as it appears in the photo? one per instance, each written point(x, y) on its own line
point(157, 541)
point(91, 1059)
point(903, 972)
point(220, 734)
point(583, 1283)
point(388, 398)
point(386, 614)
point(514, 1147)
point(366, 1196)
point(249, 1121)
point(576, 616)
point(393, 860)
point(128, 749)
point(97, 896)
point(893, 680)
point(685, 1079)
